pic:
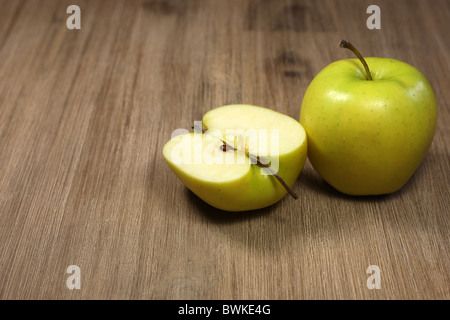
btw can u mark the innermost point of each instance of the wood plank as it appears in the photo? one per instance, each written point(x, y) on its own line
point(84, 115)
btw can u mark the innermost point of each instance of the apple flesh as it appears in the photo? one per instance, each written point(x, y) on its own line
point(367, 137)
point(224, 171)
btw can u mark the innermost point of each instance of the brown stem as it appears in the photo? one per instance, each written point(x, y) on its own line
point(347, 45)
point(226, 147)
point(289, 190)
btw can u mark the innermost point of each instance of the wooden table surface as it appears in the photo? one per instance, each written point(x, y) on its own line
point(84, 115)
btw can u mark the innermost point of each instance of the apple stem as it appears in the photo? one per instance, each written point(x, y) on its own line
point(289, 190)
point(347, 45)
point(226, 147)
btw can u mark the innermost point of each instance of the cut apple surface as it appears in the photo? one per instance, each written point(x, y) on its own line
point(226, 165)
point(215, 165)
point(252, 119)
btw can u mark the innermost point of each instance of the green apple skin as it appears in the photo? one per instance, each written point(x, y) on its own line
point(368, 137)
point(243, 189)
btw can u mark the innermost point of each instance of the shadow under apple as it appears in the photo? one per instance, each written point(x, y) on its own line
point(224, 217)
point(270, 229)
point(320, 214)
point(312, 181)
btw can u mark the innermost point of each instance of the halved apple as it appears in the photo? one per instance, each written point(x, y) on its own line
point(244, 157)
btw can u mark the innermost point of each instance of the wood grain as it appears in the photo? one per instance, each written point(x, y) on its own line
point(84, 115)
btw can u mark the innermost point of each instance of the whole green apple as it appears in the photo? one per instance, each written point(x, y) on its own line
point(369, 123)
